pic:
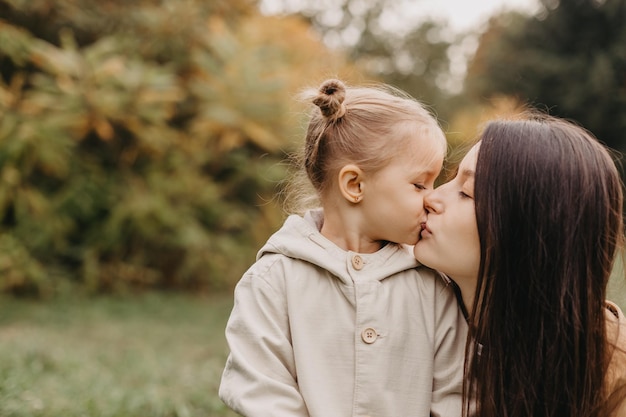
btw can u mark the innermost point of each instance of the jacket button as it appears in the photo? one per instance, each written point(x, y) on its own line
point(357, 262)
point(369, 335)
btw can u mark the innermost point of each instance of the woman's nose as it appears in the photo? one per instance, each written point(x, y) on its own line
point(432, 201)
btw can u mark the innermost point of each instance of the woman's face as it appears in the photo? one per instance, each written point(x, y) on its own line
point(449, 239)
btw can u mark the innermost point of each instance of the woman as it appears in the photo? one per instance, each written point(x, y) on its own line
point(529, 229)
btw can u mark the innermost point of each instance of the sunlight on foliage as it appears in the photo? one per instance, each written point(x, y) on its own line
point(136, 151)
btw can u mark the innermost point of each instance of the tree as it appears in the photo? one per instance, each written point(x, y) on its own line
point(141, 143)
point(569, 59)
point(414, 58)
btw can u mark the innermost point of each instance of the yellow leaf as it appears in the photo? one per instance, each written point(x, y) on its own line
point(104, 129)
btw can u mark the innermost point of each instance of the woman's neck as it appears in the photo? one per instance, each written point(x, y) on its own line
point(468, 290)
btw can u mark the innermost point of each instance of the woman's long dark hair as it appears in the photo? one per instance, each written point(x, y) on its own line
point(549, 211)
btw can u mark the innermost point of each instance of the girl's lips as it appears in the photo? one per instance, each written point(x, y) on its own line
point(425, 230)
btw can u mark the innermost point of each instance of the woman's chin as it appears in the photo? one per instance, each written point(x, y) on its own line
point(418, 252)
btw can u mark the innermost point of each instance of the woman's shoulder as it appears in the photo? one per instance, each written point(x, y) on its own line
point(614, 309)
point(616, 334)
point(616, 324)
point(616, 329)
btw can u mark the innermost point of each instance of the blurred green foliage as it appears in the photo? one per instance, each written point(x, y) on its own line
point(380, 39)
point(140, 144)
point(569, 59)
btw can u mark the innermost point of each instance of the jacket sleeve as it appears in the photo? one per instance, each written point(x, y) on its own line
point(260, 377)
point(450, 339)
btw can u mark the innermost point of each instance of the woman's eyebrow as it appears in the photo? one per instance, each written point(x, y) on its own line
point(468, 173)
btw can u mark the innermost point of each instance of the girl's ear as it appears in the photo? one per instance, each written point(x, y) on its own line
point(351, 183)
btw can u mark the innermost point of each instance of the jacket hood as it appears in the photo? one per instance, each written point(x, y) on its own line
point(300, 238)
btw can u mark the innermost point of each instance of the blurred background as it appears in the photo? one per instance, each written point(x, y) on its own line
point(143, 158)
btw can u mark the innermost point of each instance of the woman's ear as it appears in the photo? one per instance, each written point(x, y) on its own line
point(351, 183)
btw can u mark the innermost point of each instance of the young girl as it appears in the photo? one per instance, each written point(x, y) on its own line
point(529, 229)
point(335, 318)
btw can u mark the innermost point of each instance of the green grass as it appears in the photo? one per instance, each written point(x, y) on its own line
point(147, 356)
point(141, 356)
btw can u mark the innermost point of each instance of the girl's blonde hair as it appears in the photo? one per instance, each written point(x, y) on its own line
point(366, 126)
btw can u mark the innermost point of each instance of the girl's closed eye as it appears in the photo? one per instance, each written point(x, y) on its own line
point(464, 195)
point(420, 186)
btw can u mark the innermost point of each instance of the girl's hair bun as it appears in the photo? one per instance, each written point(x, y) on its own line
point(330, 99)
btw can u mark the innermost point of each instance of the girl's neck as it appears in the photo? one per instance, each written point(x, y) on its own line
point(344, 229)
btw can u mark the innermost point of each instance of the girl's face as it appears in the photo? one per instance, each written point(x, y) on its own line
point(449, 240)
point(393, 203)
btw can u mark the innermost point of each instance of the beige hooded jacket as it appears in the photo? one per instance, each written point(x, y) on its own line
point(322, 332)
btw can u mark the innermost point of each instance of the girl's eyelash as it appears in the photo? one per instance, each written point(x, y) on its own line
point(463, 195)
point(420, 186)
